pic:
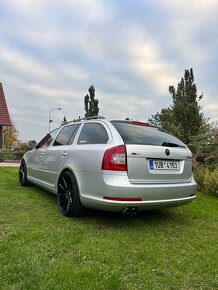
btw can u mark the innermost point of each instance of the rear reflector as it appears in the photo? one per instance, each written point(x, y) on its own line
point(115, 159)
point(122, 198)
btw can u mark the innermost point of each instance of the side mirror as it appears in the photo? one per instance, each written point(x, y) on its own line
point(31, 144)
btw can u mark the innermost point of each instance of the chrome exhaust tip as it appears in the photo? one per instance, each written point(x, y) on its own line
point(130, 210)
point(134, 210)
point(126, 211)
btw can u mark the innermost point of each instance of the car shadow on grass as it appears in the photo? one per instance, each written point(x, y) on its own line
point(116, 219)
point(159, 219)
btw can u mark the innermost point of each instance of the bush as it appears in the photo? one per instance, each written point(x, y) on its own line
point(211, 161)
point(207, 179)
point(10, 155)
point(18, 155)
point(211, 182)
point(199, 176)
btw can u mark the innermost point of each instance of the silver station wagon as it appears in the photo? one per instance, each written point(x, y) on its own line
point(121, 166)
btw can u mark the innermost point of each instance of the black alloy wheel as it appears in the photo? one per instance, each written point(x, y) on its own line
point(68, 195)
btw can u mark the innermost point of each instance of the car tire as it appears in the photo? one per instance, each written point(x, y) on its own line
point(68, 197)
point(23, 174)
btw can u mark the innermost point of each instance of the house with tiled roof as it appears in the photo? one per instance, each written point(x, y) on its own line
point(4, 114)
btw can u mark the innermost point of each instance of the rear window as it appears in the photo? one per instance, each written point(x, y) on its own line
point(145, 135)
point(93, 133)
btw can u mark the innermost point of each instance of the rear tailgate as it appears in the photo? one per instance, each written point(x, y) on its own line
point(158, 164)
point(154, 155)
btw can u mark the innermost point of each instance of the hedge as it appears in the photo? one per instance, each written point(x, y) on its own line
point(207, 179)
point(11, 155)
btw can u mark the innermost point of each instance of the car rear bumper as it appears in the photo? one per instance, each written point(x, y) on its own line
point(117, 206)
point(115, 187)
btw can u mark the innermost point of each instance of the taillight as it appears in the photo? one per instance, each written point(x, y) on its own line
point(115, 159)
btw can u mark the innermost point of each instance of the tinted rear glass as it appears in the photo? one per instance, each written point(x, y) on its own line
point(145, 135)
point(93, 133)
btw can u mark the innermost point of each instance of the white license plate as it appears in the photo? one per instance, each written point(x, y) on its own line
point(163, 165)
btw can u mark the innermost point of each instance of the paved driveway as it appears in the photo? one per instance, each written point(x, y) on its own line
point(9, 164)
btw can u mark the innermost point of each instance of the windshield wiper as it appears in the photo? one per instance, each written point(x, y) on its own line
point(172, 144)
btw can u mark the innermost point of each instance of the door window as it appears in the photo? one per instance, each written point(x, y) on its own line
point(46, 141)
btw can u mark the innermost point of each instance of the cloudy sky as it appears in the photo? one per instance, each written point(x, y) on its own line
point(51, 52)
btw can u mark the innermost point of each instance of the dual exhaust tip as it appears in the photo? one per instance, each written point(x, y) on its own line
point(130, 210)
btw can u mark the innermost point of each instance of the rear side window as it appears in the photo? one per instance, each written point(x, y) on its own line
point(93, 133)
point(145, 135)
point(66, 136)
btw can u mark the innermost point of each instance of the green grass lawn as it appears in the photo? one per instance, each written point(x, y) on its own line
point(40, 249)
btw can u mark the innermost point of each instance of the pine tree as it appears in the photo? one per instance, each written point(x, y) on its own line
point(186, 109)
point(91, 104)
point(184, 118)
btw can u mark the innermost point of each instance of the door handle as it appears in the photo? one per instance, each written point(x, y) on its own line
point(64, 153)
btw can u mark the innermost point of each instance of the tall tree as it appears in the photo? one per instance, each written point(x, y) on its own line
point(91, 104)
point(184, 118)
point(187, 111)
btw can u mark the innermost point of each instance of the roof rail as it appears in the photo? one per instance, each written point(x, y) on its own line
point(94, 117)
point(86, 118)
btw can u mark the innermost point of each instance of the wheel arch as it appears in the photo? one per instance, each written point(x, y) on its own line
point(23, 173)
point(71, 194)
point(63, 171)
point(25, 161)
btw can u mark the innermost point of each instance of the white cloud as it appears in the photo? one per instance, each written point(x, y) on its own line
point(123, 106)
point(23, 64)
point(196, 10)
point(74, 72)
point(26, 6)
point(146, 60)
point(190, 24)
point(52, 51)
point(97, 11)
point(210, 106)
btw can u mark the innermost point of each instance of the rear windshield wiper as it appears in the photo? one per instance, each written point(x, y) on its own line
point(172, 144)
